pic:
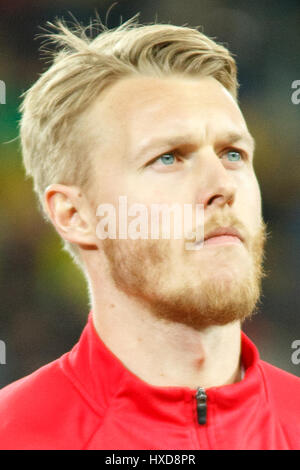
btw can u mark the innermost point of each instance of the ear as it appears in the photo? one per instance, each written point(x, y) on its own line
point(70, 214)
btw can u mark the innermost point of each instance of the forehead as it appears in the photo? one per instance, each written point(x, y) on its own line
point(137, 107)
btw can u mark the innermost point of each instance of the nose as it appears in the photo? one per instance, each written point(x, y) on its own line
point(217, 186)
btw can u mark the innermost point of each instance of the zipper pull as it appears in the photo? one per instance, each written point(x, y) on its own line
point(201, 398)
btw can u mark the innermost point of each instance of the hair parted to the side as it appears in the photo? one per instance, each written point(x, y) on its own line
point(53, 148)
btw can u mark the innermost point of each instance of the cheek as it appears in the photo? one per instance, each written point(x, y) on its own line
point(250, 199)
point(256, 197)
point(151, 191)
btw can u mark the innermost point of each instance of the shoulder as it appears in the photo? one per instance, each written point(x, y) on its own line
point(281, 382)
point(39, 410)
point(283, 392)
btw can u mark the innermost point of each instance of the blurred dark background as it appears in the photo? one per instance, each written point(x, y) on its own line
point(44, 303)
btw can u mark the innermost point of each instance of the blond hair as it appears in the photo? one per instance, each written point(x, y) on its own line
point(52, 146)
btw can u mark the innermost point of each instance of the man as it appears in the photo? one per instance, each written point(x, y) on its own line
point(150, 114)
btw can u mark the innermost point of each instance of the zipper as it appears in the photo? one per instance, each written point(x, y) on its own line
point(201, 398)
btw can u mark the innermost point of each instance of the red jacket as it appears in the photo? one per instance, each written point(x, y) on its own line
point(87, 399)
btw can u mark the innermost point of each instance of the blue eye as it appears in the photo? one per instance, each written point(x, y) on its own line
point(234, 156)
point(167, 159)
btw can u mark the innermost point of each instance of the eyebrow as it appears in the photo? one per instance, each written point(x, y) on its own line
point(186, 139)
point(234, 137)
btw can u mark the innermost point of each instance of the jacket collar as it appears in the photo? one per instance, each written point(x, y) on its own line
point(101, 376)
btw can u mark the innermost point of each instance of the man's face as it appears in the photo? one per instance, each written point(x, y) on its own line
point(180, 140)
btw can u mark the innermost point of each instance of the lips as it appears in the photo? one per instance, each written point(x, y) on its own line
point(224, 231)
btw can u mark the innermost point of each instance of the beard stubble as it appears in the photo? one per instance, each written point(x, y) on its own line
point(145, 270)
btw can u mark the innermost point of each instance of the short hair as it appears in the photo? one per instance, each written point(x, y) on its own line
point(82, 67)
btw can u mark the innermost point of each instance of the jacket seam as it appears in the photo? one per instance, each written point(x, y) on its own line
point(72, 378)
point(106, 411)
point(264, 381)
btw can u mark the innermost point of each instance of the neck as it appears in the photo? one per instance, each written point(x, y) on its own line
point(164, 353)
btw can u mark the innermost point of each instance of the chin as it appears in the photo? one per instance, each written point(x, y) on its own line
point(228, 262)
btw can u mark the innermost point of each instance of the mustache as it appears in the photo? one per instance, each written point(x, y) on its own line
point(216, 222)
